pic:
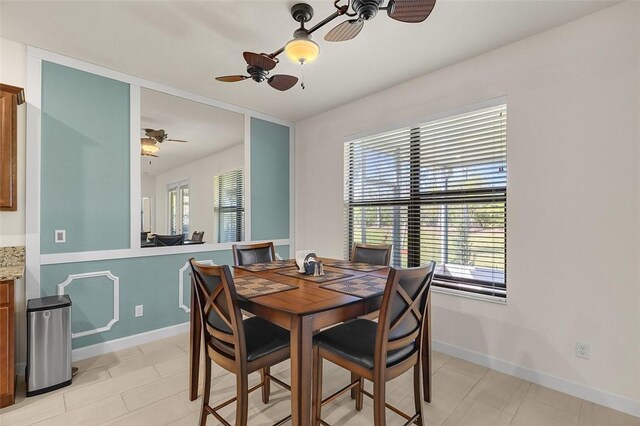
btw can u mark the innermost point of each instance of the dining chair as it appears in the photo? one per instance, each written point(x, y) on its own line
point(379, 351)
point(239, 346)
point(196, 238)
point(246, 254)
point(168, 240)
point(375, 254)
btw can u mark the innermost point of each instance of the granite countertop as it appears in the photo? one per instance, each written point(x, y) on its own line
point(11, 263)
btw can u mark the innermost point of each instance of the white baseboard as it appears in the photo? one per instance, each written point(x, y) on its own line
point(608, 399)
point(129, 341)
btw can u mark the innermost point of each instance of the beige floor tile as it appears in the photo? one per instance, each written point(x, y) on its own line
point(180, 340)
point(107, 359)
point(160, 413)
point(473, 370)
point(91, 414)
point(531, 412)
point(76, 398)
point(500, 391)
point(596, 415)
point(438, 359)
point(158, 389)
point(473, 413)
point(555, 399)
point(173, 366)
point(88, 377)
point(144, 360)
point(449, 388)
point(191, 419)
point(33, 412)
point(432, 416)
point(193, 406)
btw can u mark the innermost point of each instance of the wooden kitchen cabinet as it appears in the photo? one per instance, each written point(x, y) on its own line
point(7, 344)
point(10, 98)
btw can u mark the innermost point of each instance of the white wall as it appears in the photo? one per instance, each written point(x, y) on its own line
point(13, 71)
point(148, 190)
point(200, 175)
point(573, 97)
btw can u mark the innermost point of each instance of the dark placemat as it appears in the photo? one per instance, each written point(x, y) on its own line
point(328, 276)
point(356, 266)
point(253, 286)
point(266, 266)
point(364, 286)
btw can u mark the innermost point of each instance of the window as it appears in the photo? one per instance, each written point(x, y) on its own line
point(436, 191)
point(178, 196)
point(228, 199)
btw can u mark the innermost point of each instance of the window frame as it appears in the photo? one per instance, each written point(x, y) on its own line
point(238, 209)
point(461, 286)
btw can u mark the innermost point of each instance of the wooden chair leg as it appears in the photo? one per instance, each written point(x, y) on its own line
point(317, 386)
point(242, 401)
point(266, 384)
point(354, 392)
point(417, 394)
point(379, 402)
point(206, 392)
point(359, 394)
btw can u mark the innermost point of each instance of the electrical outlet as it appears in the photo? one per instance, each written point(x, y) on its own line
point(60, 236)
point(139, 310)
point(582, 350)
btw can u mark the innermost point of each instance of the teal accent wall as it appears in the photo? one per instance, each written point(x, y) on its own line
point(149, 281)
point(84, 161)
point(269, 180)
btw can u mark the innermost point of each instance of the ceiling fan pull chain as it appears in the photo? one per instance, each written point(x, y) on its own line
point(302, 69)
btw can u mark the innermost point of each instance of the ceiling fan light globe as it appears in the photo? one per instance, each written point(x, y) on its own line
point(302, 50)
point(148, 149)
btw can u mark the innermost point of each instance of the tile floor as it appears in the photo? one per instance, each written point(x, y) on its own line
point(147, 385)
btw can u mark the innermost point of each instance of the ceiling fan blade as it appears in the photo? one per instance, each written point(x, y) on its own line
point(345, 31)
point(412, 11)
point(175, 140)
point(260, 61)
point(149, 155)
point(282, 82)
point(232, 78)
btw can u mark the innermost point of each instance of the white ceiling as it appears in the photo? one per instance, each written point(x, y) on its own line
point(205, 128)
point(185, 44)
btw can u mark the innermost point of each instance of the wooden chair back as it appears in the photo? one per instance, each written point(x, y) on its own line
point(403, 310)
point(246, 254)
point(375, 254)
point(220, 315)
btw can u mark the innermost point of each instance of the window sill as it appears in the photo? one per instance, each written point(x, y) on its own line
point(469, 295)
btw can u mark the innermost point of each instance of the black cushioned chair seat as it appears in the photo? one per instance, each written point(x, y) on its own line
point(356, 340)
point(263, 337)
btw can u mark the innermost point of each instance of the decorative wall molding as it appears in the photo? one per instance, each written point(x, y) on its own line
point(116, 299)
point(181, 272)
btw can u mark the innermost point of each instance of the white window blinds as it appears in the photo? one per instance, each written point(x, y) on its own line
point(436, 191)
point(228, 201)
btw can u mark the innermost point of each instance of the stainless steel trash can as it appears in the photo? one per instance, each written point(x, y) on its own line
point(48, 344)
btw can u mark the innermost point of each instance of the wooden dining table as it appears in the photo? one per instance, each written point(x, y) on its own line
point(304, 310)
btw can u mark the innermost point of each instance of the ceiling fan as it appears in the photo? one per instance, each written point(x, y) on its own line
point(302, 49)
point(148, 145)
point(258, 67)
point(411, 11)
